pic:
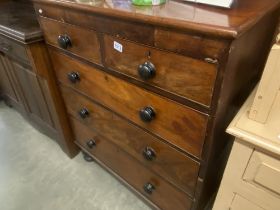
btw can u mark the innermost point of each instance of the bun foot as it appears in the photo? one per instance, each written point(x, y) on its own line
point(87, 157)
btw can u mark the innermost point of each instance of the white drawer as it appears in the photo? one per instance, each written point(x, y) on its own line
point(264, 172)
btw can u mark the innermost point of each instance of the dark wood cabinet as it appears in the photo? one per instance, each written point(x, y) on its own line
point(26, 79)
point(34, 96)
point(23, 89)
point(149, 91)
point(9, 88)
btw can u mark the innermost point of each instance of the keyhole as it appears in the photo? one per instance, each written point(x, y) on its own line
point(148, 54)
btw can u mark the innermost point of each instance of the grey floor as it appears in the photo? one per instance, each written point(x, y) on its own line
point(36, 175)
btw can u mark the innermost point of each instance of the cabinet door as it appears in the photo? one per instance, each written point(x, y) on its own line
point(33, 88)
point(8, 87)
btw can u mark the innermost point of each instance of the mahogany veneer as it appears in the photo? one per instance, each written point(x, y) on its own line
point(149, 91)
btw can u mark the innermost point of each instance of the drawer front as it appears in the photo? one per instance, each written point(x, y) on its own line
point(150, 151)
point(177, 124)
point(13, 49)
point(180, 42)
point(184, 76)
point(113, 26)
point(81, 42)
point(263, 171)
point(163, 194)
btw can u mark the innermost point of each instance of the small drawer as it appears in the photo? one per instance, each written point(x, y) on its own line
point(164, 160)
point(81, 42)
point(177, 124)
point(263, 171)
point(13, 49)
point(184, 76)
point(150, 185)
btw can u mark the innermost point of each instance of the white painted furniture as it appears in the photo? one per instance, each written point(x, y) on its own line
point(251, 179)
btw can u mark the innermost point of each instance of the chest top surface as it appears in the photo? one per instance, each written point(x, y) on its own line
point(18, 21)
point(186, 15)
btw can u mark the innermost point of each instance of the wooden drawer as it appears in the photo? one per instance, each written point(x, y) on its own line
point(190, 44)
point(184, 76)
point(174, 166)
point(177, 124)
point(263, 171)
point(164, 195)
point(13, 49)
point(83, 43)
point(114, 26)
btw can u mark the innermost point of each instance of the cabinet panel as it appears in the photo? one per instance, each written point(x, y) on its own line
point(33, 95)
point(5, 84)
point(8, 84)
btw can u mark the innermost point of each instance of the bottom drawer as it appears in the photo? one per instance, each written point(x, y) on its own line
point(172, 165)
point(161, 193)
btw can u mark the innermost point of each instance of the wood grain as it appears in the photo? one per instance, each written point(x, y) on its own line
point(169, 163)
point(190, 78)
point(237, 40)
point(186, 43)
point(190, 44)
point(84, 43)
point(177, 124)
point(165, 196)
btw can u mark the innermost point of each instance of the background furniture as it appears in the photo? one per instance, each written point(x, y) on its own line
point(251, 178)
point(26, 80)
point(149, 91)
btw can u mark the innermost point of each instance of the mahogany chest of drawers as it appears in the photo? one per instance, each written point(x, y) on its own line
point(149, 91)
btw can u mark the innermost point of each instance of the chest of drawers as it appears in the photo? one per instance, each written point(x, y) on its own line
point(150, 90)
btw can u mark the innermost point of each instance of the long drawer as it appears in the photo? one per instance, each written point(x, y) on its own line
point(164, 160)
point(177, 124)
point(144, 181)
point(184, 76)
point(76, 40)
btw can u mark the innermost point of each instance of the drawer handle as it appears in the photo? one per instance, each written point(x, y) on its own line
point(147, 114)
point(64, 41)
point(91, 143)
point(84, 113)
point(74, 77)
point(147, 70)
point(149, 188)
point(149, 153)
